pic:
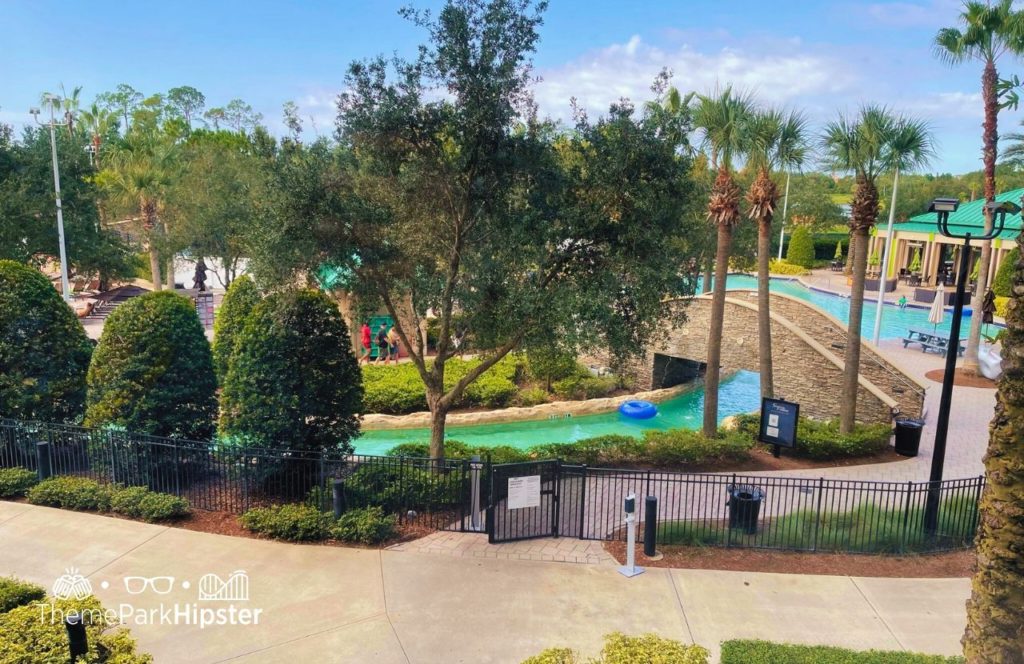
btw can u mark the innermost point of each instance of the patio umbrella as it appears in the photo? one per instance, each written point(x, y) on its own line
point(938, 310)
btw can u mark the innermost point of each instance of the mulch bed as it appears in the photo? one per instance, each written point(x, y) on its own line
point(957, 564)
point(961, 379)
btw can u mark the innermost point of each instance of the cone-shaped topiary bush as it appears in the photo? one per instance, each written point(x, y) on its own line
point(152, 371)
point(44, 353)
point(293, 381)
point(241, 297)
point(1002, 285)
point(801, 248)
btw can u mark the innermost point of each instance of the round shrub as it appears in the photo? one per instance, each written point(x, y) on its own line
point(138, 502)
point(238, 302)
point(369, 525)
point(295, 523)
point(293, 381)
point(44, 353)
point(16, 481)
point(152, 371)
point(72, 493)
point(801, 248)
point(14, 593)
point(1002, 284)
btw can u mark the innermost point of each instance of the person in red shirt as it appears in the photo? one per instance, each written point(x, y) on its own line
point(365, 338)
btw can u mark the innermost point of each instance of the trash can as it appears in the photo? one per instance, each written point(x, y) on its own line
point(908, 436)
point(744, 506)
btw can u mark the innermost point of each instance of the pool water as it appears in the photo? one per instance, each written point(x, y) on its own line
point(895, 321)
point(739, 393)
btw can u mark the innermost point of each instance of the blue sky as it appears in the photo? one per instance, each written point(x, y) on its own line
point(822, 56)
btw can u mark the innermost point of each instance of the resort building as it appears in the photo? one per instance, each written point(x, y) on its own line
point(922, 256)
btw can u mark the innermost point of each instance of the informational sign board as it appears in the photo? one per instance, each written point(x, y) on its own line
point(523, 492)
point(778, 422)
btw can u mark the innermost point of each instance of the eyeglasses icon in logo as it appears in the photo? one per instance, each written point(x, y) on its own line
point(234, 589)
point(71, 584)
point(136, 585)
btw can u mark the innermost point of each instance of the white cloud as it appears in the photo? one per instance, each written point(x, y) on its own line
point(778, 75)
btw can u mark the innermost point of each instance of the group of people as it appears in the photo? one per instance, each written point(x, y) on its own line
point(386, 341)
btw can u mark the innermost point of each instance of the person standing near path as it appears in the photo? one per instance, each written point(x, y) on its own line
point(393, 340)
point(382, 345)
point(365, 339)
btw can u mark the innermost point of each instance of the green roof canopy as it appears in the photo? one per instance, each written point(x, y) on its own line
point(969, 217)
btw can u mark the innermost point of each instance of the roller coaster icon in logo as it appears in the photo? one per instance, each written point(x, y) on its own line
point(234, 589)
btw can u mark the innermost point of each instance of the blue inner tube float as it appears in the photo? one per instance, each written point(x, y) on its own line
point(638, 410)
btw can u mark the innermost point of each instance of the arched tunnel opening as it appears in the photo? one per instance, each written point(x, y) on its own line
point(669, 370)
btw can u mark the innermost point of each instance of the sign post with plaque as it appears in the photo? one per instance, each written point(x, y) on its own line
point(778, 423)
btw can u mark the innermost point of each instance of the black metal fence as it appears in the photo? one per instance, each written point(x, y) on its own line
point(428, 492)
point(751, 511)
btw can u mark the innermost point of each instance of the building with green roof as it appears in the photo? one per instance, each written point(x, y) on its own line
point(918, 247)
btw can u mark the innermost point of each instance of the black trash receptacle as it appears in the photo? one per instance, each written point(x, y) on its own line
point(908, 436)
point(744, 506)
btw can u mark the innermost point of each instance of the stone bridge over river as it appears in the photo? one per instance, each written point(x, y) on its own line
point(808, 346)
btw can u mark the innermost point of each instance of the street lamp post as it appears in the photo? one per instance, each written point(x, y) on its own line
point(942, 207)
point(64, 284)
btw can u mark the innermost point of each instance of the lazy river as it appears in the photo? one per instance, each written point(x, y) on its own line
point(738, 394)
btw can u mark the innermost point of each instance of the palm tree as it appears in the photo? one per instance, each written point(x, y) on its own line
point(988, 31)
point(64, 104)
point(775, 140)
point(860, 145)
point(98, 122)
point(140, 173)
point(722, 115)
point(910, 148)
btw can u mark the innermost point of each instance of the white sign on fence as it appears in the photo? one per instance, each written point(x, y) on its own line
point(523, 492)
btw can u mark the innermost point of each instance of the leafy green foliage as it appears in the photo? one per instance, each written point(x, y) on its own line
point(81, 493)
point(765, 652)
point(776, 266)
point(15, 593)
point(369, 525)
point(621, 649)
point(582, 385)
point(293, 381)
point(238, 303)
point(15, 482)
point(24, 638)
point(44, 353)
point(141, 503)
point(533, 396)
point(455, 449)
point(548, 363)
point(1002, 284)
point(801, 248)
point(153, 371)
point(399, 389)
point(397, 489)
point(818, 439)
point(295, 523)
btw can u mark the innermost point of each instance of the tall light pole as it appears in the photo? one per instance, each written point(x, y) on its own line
point(785, 207)
point(884, 275)
point(942, 207)
point(64, 284)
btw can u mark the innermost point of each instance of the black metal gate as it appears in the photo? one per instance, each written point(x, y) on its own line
point(534, 508)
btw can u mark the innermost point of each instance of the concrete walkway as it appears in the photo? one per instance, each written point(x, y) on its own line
point(351, 605)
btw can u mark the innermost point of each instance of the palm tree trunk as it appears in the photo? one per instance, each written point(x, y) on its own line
point(154, 268)
point(713, 372)
point(851, 368)
point(169, 275)
point(148, 212)
point(848, 269)
point(709, 266)
point(990, 139)
point(994, 611)
point(764, 316)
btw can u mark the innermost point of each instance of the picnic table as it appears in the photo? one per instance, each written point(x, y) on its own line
point(930, 340)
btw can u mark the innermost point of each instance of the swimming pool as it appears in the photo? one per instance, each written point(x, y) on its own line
point(739, 393)
point(895, 321)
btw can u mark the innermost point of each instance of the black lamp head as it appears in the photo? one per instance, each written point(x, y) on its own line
point(946, 205)
point(998, 211)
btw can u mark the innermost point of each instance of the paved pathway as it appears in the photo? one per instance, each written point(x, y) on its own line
point(338, 604)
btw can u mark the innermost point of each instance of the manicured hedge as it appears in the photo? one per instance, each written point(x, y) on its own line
point(454, 449)
point(622, 649)
point(238, 303)
point(582, 385)
point(398, 389)
point(305, 523)
point(776, 266)
point(764, 652)
point(818, 439)
point(15, 482)
point(44, 353)
point(81, 493)
point(15, 593)
point(25, 639)
point(152, 371)
point(801, 248)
